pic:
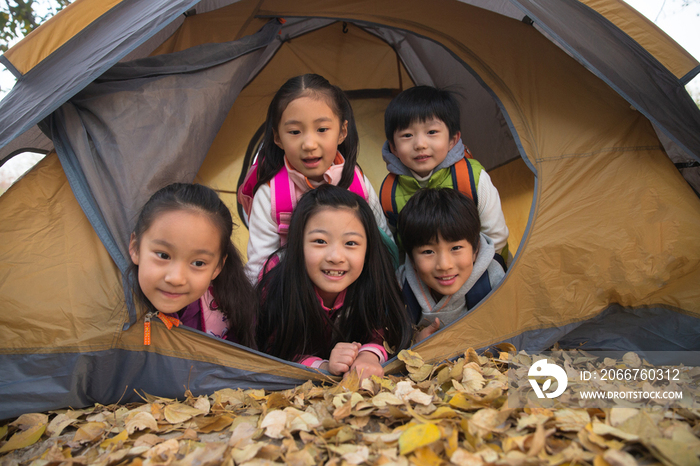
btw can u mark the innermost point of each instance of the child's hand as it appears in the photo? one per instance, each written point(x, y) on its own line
point(342, 357)
point(366, 365)
point(429, 330)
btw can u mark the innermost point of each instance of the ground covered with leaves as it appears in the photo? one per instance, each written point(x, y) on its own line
point(462, 412)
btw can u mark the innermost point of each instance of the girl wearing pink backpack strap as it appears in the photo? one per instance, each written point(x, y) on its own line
point(310, 139)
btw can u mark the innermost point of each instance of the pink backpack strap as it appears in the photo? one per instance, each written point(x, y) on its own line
point(358, 184)
point(245, 192)
point(214, 322)
point(283, 202)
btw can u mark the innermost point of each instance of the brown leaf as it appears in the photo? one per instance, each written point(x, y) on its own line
point(89, 432)
point(141, 421)
point(506, 347)
point(412, 359)
point(207, 425)
point(26, 421)
point(229, 396)
point(177, 413)
point(471, 356)
point(275, 400)
point(148, 440)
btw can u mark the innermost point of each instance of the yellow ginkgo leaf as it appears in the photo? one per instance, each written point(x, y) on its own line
point(24, 438)
point(418, 436)
point(425, 456)
point(122, 436)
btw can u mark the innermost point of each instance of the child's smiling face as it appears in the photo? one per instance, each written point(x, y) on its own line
point(423, 145)
point(177, 257)
point(335, 244)
point(309, 133)
point(444, 265)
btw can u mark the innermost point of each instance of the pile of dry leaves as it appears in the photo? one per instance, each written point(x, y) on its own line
point(451, 413)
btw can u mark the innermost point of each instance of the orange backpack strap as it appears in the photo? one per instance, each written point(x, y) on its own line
point(387, 196)
point(463, 179)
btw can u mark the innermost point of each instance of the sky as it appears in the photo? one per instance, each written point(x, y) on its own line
point(680, 22)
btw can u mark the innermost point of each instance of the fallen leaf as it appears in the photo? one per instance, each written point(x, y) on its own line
point(242, 435)
point(386, 398)
point(59, 423)
point(300, 421)
point(24, 438)
point(411, 359)
point(421, 373)
point(406, 392)
point(619, 457)
point(673, 453)
point(604, 429)
point(418, 436)
point(166, 448)
point(141, 421)
point(571, 420)
point(122, 436)
point(274, 423)
point(425, 456)
point(210, 454)
point(148, 440)
point(229, 396)
point(89, 432)
point(206, 425)
point(619, 415)
point(177, 413)
point(632, 360)
point(248, 452)
point(26, 421)
point(303, 457)
point(462, 457)
point(202, 404)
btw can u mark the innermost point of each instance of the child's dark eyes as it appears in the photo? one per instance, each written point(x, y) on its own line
point(352, 243)
point(426, 251)
point(163, 255)
point(323, 130)
point(318, 241)
point(433, 131)
point(294, 132)
point(199, 263)
point(457, 248)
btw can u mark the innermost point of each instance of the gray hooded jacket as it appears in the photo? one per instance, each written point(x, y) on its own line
point(451, 307)
point(395, 166)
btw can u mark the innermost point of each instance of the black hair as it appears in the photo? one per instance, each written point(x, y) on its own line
point(271, 157)
point(421, 103)
point(442, 211)
point(232, 290)
point(291, 318)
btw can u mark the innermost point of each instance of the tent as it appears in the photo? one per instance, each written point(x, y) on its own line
point(577, 109)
